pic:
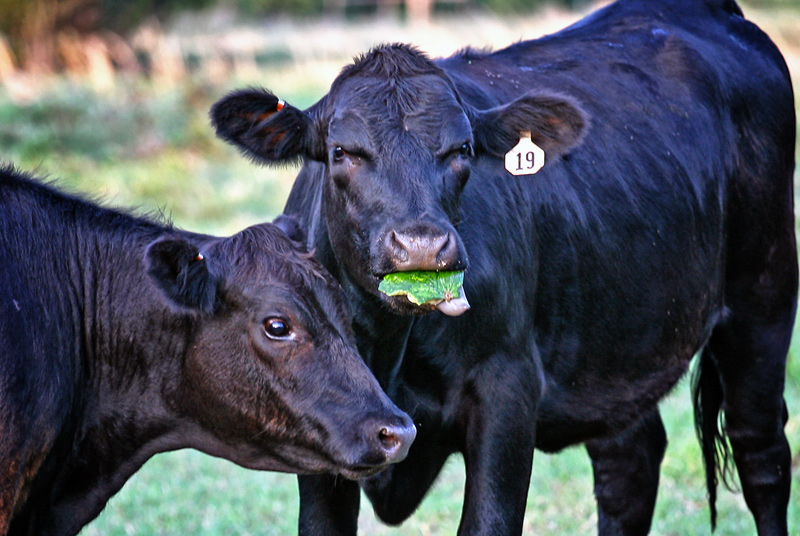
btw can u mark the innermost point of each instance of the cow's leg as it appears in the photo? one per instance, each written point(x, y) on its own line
point(397, 492)
point(749, 348)
point(750, 343)
point(626, 469)
point(328, 505)
point(750, 356)
point(500, 404)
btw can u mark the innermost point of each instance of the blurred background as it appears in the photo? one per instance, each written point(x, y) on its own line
point(111, 98)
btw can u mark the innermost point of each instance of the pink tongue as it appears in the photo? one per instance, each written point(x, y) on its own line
point(456, 306)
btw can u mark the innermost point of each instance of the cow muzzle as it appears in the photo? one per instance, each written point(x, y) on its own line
point(382, 442)
point(422, 248)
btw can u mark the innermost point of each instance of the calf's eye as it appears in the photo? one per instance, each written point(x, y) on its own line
point(278, 328)
point(466, 150)
point(338, 154)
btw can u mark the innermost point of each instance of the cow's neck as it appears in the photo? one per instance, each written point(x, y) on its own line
point(105, 455)
point(132, 343)
point(118, 414)
point(381, 336)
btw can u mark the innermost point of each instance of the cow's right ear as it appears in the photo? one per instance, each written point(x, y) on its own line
point(266, 128)
point(181, 272)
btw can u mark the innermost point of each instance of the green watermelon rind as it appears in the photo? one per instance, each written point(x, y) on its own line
point(422, 287)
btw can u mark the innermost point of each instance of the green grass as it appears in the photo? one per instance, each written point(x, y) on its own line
point(152, 148)
point(189, 493)
point(143, 147)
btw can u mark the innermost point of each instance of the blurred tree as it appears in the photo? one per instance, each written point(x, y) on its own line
point(291, 7)
point(526, 6)
point(40, 32)
point(52, 35)
point(769, 4)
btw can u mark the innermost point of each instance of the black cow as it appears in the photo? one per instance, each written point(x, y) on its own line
point(660, 226)
point(121, 337)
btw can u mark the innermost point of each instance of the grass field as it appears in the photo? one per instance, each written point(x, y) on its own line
point(149, 145)
point(190, 493)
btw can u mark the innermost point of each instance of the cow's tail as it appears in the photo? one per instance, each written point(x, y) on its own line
point(707, 394)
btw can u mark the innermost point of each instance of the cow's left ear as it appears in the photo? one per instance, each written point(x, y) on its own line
point(181, 272)
point(556, 123)
point(265, 127)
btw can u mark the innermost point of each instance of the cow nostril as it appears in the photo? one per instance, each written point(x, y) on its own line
point(446, 249)
point(395, 441)
point(403, 241)
point(388, 438)
point(400, 246)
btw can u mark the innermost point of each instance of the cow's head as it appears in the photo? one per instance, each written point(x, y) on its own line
point(398, 141)
point(272, 378)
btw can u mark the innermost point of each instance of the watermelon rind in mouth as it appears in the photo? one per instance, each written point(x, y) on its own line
point(443, 290)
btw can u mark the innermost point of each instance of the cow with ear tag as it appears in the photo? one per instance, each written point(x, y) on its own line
point(619, 197)
point(122, 337)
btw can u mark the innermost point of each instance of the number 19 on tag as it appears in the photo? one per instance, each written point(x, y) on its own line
point(526, 158)
point(530, 161)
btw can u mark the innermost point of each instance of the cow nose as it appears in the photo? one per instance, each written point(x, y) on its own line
point(396, 440)
point(422, 251)
point(387, 440)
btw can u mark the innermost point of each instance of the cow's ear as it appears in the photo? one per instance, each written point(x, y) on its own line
point(556, 123)
point(266, 128)
point(181, 272)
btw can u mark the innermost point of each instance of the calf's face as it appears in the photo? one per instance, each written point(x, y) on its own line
point(398, 144)
point(271, 373)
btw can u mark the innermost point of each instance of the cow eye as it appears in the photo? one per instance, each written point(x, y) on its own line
point(466, 150)
point(278, 328)
point(338, 154)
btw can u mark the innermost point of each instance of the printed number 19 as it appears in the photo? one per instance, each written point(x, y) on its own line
point(525, 158)
point(529, 158)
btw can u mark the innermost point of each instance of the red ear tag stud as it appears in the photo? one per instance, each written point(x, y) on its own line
point(280, 105)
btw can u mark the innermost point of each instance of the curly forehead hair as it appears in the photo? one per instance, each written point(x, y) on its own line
point(266, 248)
point(392, 61)
point(396, 76)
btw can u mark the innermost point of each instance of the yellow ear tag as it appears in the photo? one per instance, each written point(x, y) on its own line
point(526, 158)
